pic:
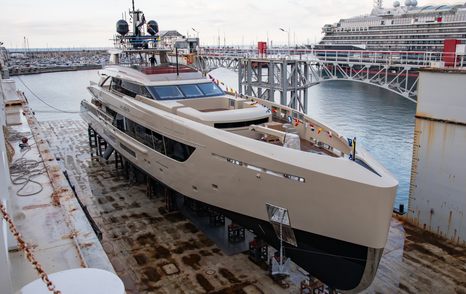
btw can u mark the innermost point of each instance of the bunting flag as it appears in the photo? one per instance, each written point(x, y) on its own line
point(330, 134)
point(319, 131)
point(312, 129)
point(210, 77)
point(296, 122)
point(289, 119)
point(274, 110)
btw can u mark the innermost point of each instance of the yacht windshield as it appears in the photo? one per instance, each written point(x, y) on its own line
point(185, 91)
point(210, 89)
point(166, 92)
point(191, 91)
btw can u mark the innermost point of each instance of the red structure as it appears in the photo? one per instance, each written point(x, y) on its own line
point(262, 48)
point(449, 51)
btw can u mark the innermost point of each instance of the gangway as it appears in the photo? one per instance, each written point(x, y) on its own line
point(292, 71)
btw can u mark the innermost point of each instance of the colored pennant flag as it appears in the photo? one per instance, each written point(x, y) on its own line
point(319, 131)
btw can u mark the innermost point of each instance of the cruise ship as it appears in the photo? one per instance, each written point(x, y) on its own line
point(292, 180)
point(398, 28)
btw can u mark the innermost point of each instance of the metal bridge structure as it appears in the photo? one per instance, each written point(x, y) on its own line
point(289, 73)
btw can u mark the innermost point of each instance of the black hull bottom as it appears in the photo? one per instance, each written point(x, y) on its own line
point(338, 264)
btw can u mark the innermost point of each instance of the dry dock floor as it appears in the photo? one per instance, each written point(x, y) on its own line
point(158, 252)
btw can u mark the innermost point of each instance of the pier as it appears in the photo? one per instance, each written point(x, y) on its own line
point(291, 71)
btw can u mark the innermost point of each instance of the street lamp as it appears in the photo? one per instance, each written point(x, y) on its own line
point(196, 32)
point(286, 31)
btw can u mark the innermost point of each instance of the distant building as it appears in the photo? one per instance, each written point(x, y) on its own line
point(169, 38)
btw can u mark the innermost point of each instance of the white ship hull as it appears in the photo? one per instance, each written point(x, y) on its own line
point(340, 211)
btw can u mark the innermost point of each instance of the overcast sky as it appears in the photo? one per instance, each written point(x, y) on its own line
point(91, 23)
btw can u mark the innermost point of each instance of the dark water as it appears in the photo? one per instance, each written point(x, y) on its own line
point(382, 121)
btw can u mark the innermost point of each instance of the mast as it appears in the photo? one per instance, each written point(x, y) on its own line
point(377, 3)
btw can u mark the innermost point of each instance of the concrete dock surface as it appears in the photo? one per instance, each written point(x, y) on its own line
point(154, 251)
point(45, 211)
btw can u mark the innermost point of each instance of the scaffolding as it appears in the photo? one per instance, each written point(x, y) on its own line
point(269, 79)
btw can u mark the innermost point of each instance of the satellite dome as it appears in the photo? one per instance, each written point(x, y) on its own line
point(414, 2)
point(152, 27)
point(396, 4)
point(122, 27)
point(408, 3)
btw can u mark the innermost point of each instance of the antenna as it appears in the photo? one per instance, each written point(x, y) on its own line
point(378, 3)
point(133, 5)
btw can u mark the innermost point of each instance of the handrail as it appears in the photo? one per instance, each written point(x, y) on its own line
point(392, 58)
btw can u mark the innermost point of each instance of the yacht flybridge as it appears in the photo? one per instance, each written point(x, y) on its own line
point(250, 159)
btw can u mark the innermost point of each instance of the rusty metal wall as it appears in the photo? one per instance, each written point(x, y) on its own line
point(437, 199)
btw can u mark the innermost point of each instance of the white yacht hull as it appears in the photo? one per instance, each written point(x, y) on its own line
point(340, 214)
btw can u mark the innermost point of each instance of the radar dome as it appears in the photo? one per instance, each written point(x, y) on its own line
point(396, 4)
point(408, 3)
point(122, 27)
point(414, 2)
point(152, 27)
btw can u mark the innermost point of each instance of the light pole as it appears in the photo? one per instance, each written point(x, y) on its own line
point(196, 32)
point(286, 31)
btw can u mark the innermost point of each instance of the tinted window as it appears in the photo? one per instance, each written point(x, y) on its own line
point(158, 142)
point(240, 124)
point(166, 92)
point(119, 122)
point(129, 89)
point(191, 91)
point(210, 89)
point(161, 144)
point(177, 150)
point(144, 135)
point(130, 128)
point(185, 91)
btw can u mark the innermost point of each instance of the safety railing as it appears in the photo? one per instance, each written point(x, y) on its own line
point(391, 58)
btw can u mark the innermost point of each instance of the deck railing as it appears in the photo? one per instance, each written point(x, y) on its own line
point(391, 58)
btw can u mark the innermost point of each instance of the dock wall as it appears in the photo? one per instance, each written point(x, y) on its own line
point(437, 199)
point(39, 70)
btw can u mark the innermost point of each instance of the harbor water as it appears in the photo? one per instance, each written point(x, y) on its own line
point(383, 122)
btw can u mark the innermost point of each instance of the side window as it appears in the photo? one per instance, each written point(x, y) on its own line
point(116, 84)
point(144, 92)
point(129, 89)
point(177, 150)
point(118, 122)
point(158, 142)
point(144, 135)
point(166, 146)
point(130, 128)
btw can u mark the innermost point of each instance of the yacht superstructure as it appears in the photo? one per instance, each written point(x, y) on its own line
point(399, 28)
point(257, 162)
